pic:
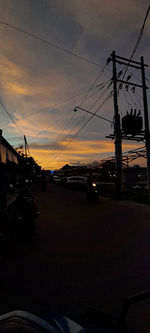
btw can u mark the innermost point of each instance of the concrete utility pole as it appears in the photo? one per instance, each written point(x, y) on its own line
point(117, 133)
point(147, 133)
point(26, 148)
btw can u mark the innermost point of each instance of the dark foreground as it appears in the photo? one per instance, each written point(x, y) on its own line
point(80, 255)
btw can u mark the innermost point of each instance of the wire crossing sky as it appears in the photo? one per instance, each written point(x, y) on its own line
point(50, 43)
point(53, 58)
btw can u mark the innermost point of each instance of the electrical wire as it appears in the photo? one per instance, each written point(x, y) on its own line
point(125, 97)
point(93, 114)
point(80, 120)
point(61, 104)
point(15, 138)
point(56, 122)
point(66, 125)
point(83, 125)
point(79, 131)
point(133, 150)
point(138, 99)
point(49, 43)
point(138, 42)
point(131, 97)
point(140, 34)
point(95, 102)
point(52, 105)
point(11, 118)
point(93, 84)
point(133, 74)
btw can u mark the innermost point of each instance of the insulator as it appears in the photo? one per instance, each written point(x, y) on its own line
point(99, 85)
point(126, 87)
point(108, 60)
point(133, 89)
point(120, 86)
point(128, 77)
point(131, 113)
point(119, 74)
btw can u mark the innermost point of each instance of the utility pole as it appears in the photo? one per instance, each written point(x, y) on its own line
point(26, 148)
point(147, 133)
point(117, 132)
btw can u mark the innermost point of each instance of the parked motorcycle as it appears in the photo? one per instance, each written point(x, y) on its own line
point(27, 212)
point(43, 184)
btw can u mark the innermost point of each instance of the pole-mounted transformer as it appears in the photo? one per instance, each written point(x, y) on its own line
point(132, 123)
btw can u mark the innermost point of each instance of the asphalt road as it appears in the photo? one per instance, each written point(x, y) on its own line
point(80, 255)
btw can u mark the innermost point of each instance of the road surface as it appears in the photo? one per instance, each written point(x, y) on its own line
point(80, 255)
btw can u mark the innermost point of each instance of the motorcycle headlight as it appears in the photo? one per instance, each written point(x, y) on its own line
point(94, 185)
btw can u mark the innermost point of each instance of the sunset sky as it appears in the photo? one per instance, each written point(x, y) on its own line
point(40, 85)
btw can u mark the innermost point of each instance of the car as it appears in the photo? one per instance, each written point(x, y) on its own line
point(76, 182)
point(56, 179)
point(64, 181)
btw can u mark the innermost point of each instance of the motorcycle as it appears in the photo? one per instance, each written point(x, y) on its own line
point(26, 207)
point(92, 193)
point(92, 321)
point(43, 184)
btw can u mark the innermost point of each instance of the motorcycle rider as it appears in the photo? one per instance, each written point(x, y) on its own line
point(90, 181)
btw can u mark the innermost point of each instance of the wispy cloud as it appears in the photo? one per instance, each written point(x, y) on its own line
point(83, 151)
point(35, 76)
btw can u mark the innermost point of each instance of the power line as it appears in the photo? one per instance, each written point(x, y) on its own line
point(126, 67)
point(11, 118)
point(133, 150)
point(66, 125)
point(93, 114)
point(92, 86)
point(134, 101)
point(52, 105)
point(138, 41)
point(90, 109)
point(51, 125)
point(50, 43)
point(97, 91)
point(79, 131)
point(105, 100)
point(95, 102)
point(141, 33)
point(138, 99)
point(58, 120)
point(15, 138)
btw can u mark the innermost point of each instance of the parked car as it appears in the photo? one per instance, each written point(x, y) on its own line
point(76, 182)
point(64, 181)
point(56, 179)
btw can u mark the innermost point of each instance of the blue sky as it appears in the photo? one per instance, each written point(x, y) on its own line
point(37, 80)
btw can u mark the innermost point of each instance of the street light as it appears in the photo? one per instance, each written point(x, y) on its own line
point(93, 114)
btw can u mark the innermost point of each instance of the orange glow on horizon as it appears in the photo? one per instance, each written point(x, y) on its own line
point(83, 151)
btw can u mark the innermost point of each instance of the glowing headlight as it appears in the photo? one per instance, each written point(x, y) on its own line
point(94, 184)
